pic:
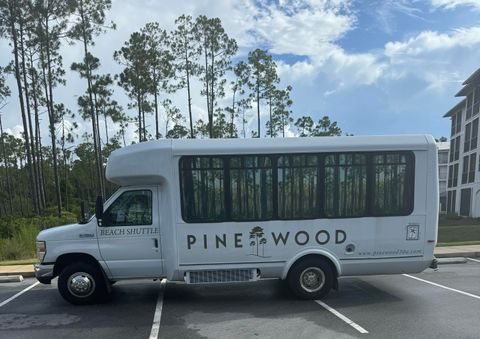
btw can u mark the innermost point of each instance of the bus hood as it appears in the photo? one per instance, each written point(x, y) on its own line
point(67, 232)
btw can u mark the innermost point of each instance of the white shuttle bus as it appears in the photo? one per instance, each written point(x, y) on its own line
point(305, 210)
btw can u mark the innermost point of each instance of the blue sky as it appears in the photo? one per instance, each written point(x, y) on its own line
point(375, 66)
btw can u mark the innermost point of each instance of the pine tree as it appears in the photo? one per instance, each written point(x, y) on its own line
point(90, 22)
point(217, 49)
point(262, 79)
point(186, 52)
point(134, 78)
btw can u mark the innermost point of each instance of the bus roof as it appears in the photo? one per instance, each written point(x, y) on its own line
point(148, 162)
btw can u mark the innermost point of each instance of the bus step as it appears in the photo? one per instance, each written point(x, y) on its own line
point(221, 276)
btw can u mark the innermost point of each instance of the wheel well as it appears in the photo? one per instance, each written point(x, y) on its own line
point(66, 259)
point(319, 257)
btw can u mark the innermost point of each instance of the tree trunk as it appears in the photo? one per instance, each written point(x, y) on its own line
point(192, 135)
point(270, 105)
point(106, 125)
point(40, 185)
point(98, 163)
point(52, 124)
point(155, 99)
point(5, 161)
point(22, 104)
point(210, 117)
point(139, 105)
point(32, 161)
point(258, 106)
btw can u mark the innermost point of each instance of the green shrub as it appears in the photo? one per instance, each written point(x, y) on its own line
point(17, 235)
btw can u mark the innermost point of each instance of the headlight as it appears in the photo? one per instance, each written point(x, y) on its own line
point(41, 250)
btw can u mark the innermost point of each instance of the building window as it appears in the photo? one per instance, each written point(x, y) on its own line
point(454, 126)
point(443, 157)
point(455, 175)
point(458, 122)
point(450, 175)
point(466, 143)
point(473, 141)
point(454, 149)
point(465, 169)
point(442, 173)
point(298, 195)
point(471, 171)
point(345, 185)
point(476, 101)
point(468, 113)
point(451, 201)
point(456, 155)
point(465, 199)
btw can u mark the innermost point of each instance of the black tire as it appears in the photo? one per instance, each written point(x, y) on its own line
point(90, 288)
point(311, 278)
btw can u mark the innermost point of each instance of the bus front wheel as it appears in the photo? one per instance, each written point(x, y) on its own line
point(311, 278)
point(82, 283)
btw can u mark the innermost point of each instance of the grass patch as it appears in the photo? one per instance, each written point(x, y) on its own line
point(17, 235)
point(458, 233)
point(460, 243)
point(18, 262)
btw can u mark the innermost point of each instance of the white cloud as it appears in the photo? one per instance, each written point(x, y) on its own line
point(301, 27)
point(452, 4)
point(16, 131)
point(437, 58)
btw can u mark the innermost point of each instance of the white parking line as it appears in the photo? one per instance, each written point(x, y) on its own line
point(158, 312)
point(341, 316)
point(19, 294)
point(476, 260)
point(442, 286)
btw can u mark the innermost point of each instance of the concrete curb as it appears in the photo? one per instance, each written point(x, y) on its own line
point(452, 260)
point(11, 278)
point(457, 254)
point(26, 274)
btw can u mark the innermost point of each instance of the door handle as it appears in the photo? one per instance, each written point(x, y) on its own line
point(155, 242)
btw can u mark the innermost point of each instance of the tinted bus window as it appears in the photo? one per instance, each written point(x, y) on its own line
point(345, 185)
point(393, 184)
point(251, 188)
point(298, 186)
point(203, 189)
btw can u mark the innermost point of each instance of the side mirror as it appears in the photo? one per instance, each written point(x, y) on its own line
point(99, 208)
point(83, 213)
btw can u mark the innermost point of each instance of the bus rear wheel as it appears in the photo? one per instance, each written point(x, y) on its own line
point(82, 283)
point(311, 278)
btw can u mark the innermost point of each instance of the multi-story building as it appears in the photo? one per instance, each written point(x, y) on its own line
point(443, 148)
point(463, 184)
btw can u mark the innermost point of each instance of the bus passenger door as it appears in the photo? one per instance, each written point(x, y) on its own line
point(129, 235)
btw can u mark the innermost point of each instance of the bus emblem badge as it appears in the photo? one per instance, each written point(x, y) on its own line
point(412, 231)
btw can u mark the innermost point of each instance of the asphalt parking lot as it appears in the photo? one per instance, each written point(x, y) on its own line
point(442, 304)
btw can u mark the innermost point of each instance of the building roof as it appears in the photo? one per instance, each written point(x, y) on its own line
point(455, 109)
point(443, 146)
point(474, 77)
point(469, 84)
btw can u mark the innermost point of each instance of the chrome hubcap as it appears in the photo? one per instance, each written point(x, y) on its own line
point(81, 284)
point(312, 279)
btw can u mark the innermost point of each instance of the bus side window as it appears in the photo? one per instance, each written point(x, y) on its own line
point(129, 209)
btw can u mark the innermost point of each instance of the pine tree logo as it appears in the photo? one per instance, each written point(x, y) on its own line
point(257, 239)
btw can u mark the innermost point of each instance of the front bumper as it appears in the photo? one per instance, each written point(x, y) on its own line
point(44, 273)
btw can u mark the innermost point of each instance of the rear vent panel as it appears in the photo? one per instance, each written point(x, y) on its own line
point(221, 276)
